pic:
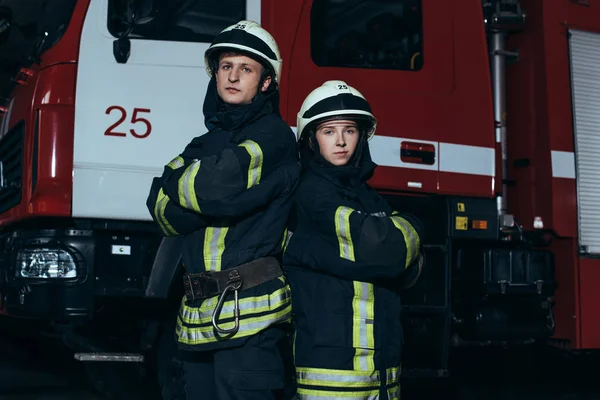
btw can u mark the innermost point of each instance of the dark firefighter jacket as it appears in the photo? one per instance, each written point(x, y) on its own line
point(229, 194)
point(348, 256)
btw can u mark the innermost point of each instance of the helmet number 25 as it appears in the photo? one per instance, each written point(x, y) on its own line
point(135, 118)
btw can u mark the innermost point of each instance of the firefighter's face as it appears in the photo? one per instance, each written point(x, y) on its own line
point(238, 78)
point(337, 140)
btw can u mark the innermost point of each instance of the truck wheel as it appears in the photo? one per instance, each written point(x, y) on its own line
point(171, 378)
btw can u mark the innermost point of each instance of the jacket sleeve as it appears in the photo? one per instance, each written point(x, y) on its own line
point(172, 219)
point(279, 183)
point(358, 246)
point(200, 184)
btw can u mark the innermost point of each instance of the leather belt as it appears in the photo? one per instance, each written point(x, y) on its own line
point(208, 284)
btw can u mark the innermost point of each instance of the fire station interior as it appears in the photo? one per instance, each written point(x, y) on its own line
point(506, 306)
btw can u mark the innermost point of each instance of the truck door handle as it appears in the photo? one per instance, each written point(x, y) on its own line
point(417, 153)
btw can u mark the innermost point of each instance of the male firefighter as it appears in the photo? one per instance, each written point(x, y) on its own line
point(229, 193)
point(348, 257)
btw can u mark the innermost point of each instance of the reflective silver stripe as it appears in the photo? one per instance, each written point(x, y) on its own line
point(342, 230)
point(161, 206)
point(312, 394)
point(175, 163)
point(159, 212)
point(248, 326)
point(214, 246)
point(248, 306)
point(411, 238)
point(187, 189)
point(393, 382)
point(392, 375)
point(287, 239)
point(256, 161)
point(337, 378)
point(363, 339)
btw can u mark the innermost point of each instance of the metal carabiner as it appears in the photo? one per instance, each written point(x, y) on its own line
point(234, 285)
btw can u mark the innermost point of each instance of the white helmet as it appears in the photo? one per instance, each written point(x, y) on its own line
point(250, 37)
point(333, 99)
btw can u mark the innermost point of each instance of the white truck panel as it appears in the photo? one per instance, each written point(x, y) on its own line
point(112, 174)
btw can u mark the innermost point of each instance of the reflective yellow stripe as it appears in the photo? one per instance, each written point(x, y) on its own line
point(157, 206)
point(393, 382)
point(159, 212)
point(256, 161)
point(392, 375)
point(214, 246)
point(162, 208)
point(337, 378)
point(312, 394)
point(175, 163)
point(248, 306)
point(411, 238)
point(284, 241)
point(248, 327)
point(187, 189)
point(342, 230)
point(394, 392)
point(363, 337)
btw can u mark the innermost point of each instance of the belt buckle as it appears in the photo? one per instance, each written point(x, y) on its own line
point(188, 285)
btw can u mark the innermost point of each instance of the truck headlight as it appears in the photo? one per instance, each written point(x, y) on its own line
point(43, 263)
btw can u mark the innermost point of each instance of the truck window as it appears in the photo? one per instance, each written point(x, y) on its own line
point(177, 20)
point(377, 34)
point(55, 16)
point(36, 27)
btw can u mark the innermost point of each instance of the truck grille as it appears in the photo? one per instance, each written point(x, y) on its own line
point(11, 167)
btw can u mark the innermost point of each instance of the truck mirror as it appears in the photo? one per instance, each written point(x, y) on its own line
point(122, 49)
point(139, 12)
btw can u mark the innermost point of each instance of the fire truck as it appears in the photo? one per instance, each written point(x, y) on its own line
point(488, 130)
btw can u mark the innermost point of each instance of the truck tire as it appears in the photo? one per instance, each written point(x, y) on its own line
point(171, 378)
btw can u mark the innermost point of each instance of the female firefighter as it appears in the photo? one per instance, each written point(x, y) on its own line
point(229, 194)
point(348, 256)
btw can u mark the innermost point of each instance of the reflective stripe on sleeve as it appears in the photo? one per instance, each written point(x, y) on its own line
point(394, 392)
point(284, 240)
point(392, 383)
point(411, 238)
point(175, 163)
point(342, 230)
point(392, 375)
point(159, 212)
point(214, 246)
point(187, 188)
point(363, 338)
point(256, 161)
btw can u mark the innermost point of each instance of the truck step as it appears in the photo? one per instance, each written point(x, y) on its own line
point(113, 357)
